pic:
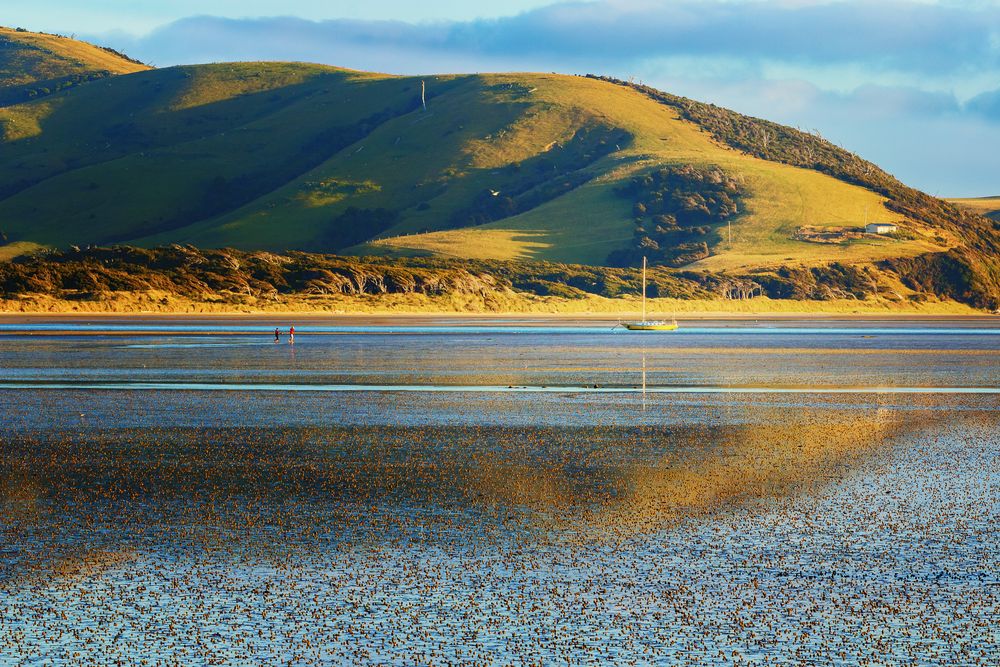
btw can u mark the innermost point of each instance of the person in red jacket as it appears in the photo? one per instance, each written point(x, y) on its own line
point(291, 334)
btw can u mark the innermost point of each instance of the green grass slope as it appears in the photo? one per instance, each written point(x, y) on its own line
point(782, 198)
point(200, 142)
point(291, 156)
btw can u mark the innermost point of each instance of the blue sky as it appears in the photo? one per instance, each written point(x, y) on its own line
point(912, 84)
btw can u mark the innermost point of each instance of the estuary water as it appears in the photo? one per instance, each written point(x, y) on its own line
point(778, 492)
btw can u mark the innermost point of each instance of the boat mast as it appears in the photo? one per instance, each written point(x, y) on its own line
point(644, 289)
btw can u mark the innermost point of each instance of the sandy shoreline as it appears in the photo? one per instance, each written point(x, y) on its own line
point(420, 310)
point(394, 308)
point(302, 321)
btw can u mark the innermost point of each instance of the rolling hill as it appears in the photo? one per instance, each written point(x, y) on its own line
point(988, 206)
point(585, 170)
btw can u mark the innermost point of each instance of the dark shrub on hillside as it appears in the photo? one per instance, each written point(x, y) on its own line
point(677, 210)
point(960, 274)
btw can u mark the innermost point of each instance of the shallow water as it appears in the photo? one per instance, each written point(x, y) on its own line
point(765, 356)
point(212, 498)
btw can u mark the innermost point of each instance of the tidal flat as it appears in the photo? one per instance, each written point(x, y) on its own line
point(796, 495)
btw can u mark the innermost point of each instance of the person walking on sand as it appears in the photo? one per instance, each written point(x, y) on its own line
point(291, 335)
point(277, 334)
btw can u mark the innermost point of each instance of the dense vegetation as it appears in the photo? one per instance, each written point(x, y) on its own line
point(233, 276)
point(975, 268)
point(967, 275)
point(678, 210)
point(190, 272)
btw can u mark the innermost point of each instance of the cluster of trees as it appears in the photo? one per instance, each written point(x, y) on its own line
point(677, 211)
point(962, 274)
point(822, 283)
point(190, 272)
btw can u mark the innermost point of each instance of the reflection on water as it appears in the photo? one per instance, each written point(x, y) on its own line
point(374, 527)
point(619, 478)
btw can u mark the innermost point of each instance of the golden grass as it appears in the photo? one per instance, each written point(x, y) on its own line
point(476, 243)
point(18, 248)
point(209, 85)
point(25, 120)
point(980, 205)
point(50, 56)
point(419, 304)
point(582, 229)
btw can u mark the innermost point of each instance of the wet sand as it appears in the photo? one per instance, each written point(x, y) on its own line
point(710, 533)
point(393, 525)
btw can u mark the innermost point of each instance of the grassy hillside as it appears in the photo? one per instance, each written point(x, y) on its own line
point(781, 200)
point(584, 170)
point(34, 65)
point(293, 156)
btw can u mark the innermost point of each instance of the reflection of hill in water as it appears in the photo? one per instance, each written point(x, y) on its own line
point(274, 490)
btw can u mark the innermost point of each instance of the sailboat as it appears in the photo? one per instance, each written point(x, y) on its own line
point(644, 324)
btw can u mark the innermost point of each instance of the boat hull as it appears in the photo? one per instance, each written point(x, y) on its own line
point(651, 326)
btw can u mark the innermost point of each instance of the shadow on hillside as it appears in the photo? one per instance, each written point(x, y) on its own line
point(153, 125)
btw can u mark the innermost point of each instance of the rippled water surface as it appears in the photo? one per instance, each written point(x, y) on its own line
point(197, 494)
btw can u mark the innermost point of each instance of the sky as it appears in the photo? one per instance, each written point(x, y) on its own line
point(913, 85)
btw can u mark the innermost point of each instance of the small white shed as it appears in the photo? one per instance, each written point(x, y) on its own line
point(880, 228)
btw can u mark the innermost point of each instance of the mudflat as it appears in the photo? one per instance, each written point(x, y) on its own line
point(466, 489)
